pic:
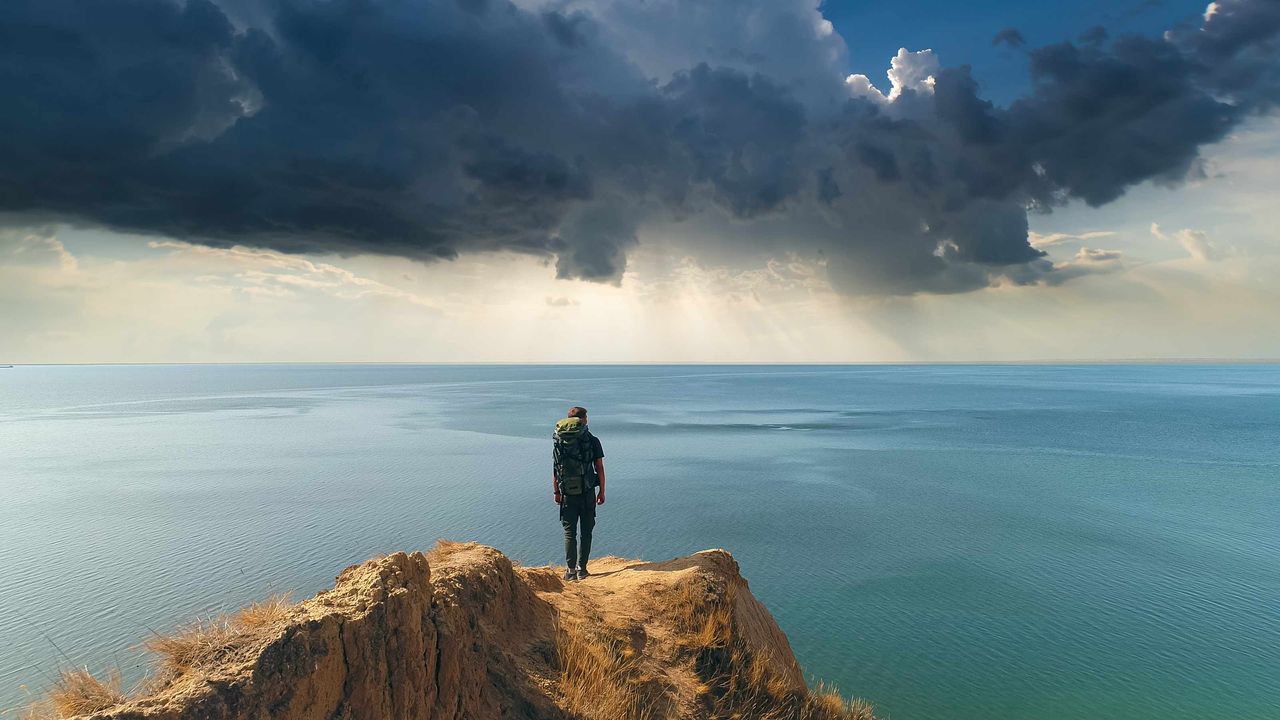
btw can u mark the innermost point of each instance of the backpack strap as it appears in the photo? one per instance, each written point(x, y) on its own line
point(589, 448)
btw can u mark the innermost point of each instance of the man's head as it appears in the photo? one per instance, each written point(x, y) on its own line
point(578, 412)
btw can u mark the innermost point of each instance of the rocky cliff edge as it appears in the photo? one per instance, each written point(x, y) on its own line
point(462, 633)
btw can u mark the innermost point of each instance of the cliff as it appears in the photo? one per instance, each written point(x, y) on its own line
point(463, 633)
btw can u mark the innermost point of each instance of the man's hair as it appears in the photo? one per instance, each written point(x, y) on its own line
point(576, 411)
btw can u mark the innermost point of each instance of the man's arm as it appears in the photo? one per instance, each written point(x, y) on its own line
point(600, 474)
point(555, 481)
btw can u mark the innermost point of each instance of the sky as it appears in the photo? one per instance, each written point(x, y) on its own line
point(617, 181)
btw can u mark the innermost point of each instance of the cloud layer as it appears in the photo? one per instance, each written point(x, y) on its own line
point(564, 128)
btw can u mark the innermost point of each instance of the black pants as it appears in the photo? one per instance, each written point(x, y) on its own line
point(575, 510)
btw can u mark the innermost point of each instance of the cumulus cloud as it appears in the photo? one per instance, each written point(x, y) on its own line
point(909, 72)
point(565, 128)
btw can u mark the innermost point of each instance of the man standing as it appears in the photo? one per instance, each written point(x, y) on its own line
point(577, 479)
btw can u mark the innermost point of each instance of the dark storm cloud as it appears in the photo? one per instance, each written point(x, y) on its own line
point(1095, 35)
point(1102, 120)
point(740, 133)
point(562, 128)
point(415, 129)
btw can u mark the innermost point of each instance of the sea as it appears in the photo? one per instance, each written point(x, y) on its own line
point(966, 542)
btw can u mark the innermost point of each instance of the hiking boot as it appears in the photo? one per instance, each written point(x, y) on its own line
point(570, 575)
point(582, 573)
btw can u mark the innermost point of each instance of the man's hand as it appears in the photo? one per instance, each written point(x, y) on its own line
point(559, 499)
point(600, 498)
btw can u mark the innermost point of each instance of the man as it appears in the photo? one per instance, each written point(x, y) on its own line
point(577, 479)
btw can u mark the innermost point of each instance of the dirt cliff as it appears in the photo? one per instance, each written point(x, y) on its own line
point(462, 633)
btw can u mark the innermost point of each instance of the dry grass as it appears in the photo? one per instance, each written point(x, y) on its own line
point(190, 649)
point(750, 689)
point(217, 639)
point(832, 704)
point(859, 709)
point(78, 692)
point(600, 679)
point(444, 549)
point(703, 617)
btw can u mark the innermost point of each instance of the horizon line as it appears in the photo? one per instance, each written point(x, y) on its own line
point(821, 363)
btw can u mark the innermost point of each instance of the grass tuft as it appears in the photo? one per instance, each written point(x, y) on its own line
point(206, 642)
point(444, 549)
point(78, 692)
point(190, 649)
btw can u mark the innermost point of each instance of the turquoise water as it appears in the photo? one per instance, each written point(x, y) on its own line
point(994, 542)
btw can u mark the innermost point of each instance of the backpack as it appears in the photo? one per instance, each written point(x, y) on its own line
point(572, 456)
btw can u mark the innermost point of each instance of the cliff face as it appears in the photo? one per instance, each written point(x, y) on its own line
point(462, 633)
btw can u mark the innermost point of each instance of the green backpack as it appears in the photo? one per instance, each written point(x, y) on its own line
point(572, 456)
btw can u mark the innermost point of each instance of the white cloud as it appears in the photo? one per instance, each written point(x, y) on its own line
point(907, 71)
point(1196, 243)
point(1090, 256)
point(1041, 241)
point(912, 71)
point(35, 246)
point(860, 85)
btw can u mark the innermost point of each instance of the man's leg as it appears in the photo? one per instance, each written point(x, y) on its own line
point(569, 521)
point(588, 517)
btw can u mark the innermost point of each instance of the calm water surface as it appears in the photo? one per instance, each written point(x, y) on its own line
point(969, 542)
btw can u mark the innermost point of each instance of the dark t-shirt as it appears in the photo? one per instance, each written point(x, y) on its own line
point(597, 453)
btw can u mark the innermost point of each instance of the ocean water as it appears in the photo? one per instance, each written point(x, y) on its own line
point(993, 542)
